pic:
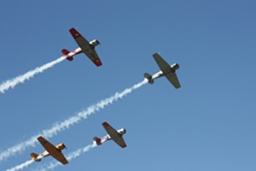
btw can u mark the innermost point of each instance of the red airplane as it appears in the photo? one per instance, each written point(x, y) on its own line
point(88, 48)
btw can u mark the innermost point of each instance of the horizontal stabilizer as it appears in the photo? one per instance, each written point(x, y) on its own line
point(149, 78)
point(34, 156)
point(97, 140)
point(65, 52)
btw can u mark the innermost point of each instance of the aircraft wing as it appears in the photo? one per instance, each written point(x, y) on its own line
point(52, 150)
point(163, 65)
point(94, 58)
point(165, 68)
point(172, 77)
point(80, 40)
point(114, 135)
point(85, 46)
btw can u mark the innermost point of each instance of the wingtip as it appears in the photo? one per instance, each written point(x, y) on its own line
point(74, 33)
point(72, 29)
point(156, 53)
point(178, 87)
point(97, 62)
point(105, 124)
point(39, 137)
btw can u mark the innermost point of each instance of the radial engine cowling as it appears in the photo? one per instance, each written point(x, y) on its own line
point(175, 66)
point(122, 131)
point(94, 42)
point(61, 146)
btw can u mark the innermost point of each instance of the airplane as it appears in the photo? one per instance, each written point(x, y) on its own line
point(50, 150)
point(88, 48)
point(166, 70)
point(113, 134)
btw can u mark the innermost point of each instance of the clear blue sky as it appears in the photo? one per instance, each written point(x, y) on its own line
point(207, 124)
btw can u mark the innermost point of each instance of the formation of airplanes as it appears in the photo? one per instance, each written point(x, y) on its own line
point(88, 48)
point(56, 151)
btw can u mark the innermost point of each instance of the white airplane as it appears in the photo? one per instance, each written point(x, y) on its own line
point(50, 150)
point(88, 48)
point(113, 134)
point(166, 70)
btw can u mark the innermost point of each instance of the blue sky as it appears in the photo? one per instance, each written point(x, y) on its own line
point(207, 124)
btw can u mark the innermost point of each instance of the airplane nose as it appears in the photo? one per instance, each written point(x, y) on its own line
point(64, 146)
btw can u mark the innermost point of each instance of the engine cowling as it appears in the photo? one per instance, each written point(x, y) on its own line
point(94, 42)
point(175, 66)
point(61, 146)
point(122, 131)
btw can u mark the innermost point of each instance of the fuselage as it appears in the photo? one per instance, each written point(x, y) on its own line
point(157, 75)
point(167, 70)
point(42, 155)
point(74, 52)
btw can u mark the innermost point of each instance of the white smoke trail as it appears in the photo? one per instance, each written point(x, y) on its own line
point(21, 166)
point(58, 127)
point(69, 157)
point(21, 78)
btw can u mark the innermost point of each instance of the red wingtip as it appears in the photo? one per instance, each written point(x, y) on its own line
point(124, 146)
point(74, 33)
point(70, 58)
point(105, 124)
point(97, 62)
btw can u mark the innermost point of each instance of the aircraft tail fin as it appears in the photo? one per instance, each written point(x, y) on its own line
point(97, 140)
point(149, 78)
point(34, 156)
point(66, 52)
